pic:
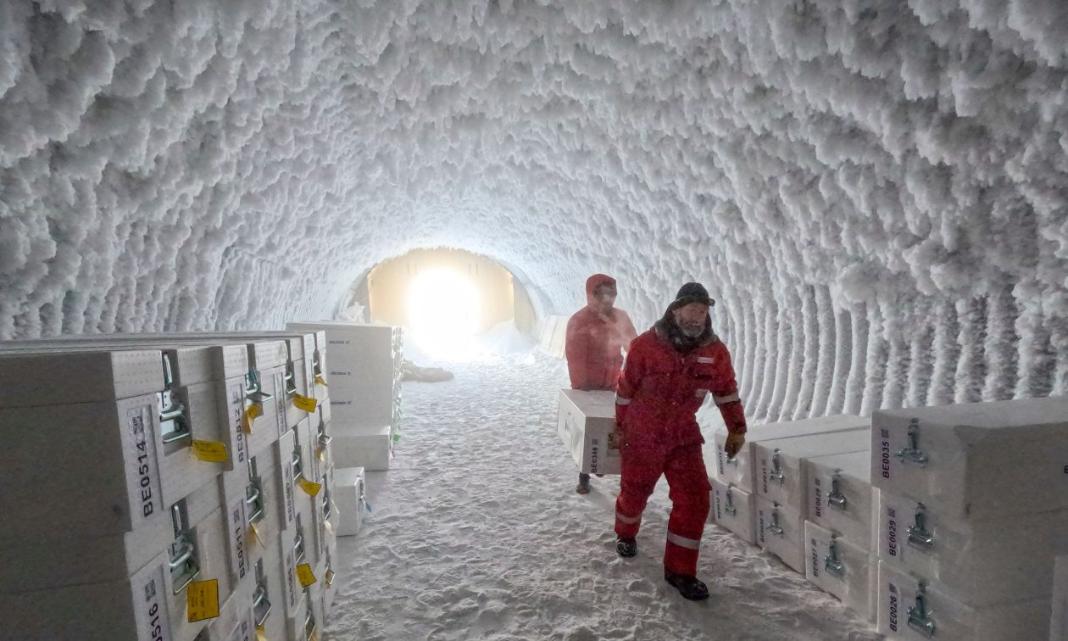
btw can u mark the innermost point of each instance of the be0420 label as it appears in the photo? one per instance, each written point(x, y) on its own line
point(145, 487)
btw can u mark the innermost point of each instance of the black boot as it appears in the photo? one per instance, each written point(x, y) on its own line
point(688, 586)
point(626, 547)
point(583, 484)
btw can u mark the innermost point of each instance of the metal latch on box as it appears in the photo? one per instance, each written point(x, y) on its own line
point(261, 605)
point(913, 453)
point(298, 542)
point(730, 507)
point(835, 498)
point(291, 380)
point(776, 473)
point(775, 528)
point(919, 536)
point(173, 425)
point(919, 616)
point(253, 493)
point(183, 551)
point(832, 563)
point(254, 388)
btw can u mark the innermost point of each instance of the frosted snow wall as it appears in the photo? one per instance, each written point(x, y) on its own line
point(875, 191)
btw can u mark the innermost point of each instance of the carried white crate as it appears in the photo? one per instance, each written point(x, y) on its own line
point(370, 447)
point(911, 608)
point(841, 568)
point(733, 509)
point(587, 425)
point(350, 490)
point(981, 562)
point(945, 456)
point(781, 531)
point(841, 497)
point(740, 472)
point(777, 462)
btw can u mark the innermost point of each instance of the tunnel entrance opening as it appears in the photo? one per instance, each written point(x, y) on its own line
point(453, 304)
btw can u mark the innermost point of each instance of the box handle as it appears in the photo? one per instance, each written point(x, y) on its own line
point(919, 536)
point(913, 453)
point(836, 499)
point(920, 616)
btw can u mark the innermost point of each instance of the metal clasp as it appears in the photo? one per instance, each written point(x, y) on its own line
point(298, 542)
point(183, 561)
point(919, 616)
point(173, 425)
point(254, 493)
point(261, 605)
point(309, 621)
point(832, 563)
point(775, 528)
point(254, 389)
point(291, 380)
point(919, 536)
point(776, 467)
point(730, 507)
point(913, 453)
point(835, 498)
point(298, 462)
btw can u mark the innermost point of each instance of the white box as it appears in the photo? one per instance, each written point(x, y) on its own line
point(29, 379)
point(845, 570)
point(587, 424)
point(738, 470)
point(902, 616)
point(981, 563)
point(370, 447)
point(1058, 625)
point(777, 462)
point(734, 510)
point(841, 498)
point(781, 532)
point(93, 463)
point(267, 597)
point(236, 621)
point(1026, 441)
point(350, 490)
point(134, 608)
point(281, 458)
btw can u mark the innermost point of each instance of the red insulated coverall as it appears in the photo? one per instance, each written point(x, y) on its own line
point(657, 399)
point(594, 340)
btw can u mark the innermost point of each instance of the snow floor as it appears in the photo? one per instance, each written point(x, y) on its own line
point(477, 533)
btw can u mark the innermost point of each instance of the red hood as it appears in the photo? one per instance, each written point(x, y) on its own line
point(595, 281)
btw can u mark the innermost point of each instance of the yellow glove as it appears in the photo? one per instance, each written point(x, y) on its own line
point(734, 444)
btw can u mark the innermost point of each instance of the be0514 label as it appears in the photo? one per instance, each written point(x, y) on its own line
point(143, 463)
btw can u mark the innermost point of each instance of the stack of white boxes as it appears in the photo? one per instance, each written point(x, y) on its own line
point(365, 390)
point(973, 502)
point(153, 477)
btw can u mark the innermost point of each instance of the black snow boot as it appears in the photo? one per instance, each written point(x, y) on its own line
point(688, 586)
point(626, 547)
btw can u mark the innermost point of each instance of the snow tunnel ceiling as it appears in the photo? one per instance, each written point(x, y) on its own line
point(874, 191)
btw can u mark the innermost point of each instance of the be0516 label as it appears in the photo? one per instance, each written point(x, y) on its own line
point(151, 609)
point(145, 488)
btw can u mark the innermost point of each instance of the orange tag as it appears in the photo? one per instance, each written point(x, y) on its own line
point(254, 533)
point(329, 578)
point(210, 451)
point(202, 600)
point(252, 412)
point(310, 487)
point(305, 574)
point(319, 380)
point(261, 633)
point(306, 403)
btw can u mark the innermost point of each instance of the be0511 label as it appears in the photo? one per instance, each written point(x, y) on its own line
point(141, 459)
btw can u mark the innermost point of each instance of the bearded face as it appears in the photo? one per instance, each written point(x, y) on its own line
point(691, 319)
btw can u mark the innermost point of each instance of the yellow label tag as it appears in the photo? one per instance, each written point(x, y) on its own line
point(305, 574)
point(254, 534)
point(310, 487)
point(320, 452)
point(329, 577)
point(210, 451)
point(261, 633)
point(319, 380)
point(252, 412)
point(306, 403)
point(202, 600)
point(314, 635)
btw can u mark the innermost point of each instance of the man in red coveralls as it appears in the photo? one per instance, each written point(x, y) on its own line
point(670, 370)
point(596, 334)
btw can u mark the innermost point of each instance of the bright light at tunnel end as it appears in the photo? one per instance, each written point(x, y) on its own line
point(444, 313)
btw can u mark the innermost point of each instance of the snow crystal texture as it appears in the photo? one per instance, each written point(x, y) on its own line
point(874, 190)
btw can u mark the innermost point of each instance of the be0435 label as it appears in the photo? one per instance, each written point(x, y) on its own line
point(143, 464)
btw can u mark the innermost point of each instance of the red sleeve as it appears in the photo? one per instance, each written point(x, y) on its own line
point(576, 349)
point(629, 334)
point(725, 393)
point(629, 380)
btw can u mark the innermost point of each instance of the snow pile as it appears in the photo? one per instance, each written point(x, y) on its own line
point(476, 533)
point(875, 192)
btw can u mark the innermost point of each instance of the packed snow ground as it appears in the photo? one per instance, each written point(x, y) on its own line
point(477, 533)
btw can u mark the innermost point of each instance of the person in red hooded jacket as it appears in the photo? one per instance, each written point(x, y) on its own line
point(670, 370)
point(596, 336)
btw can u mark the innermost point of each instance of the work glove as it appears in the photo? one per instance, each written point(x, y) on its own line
point(734, 444)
